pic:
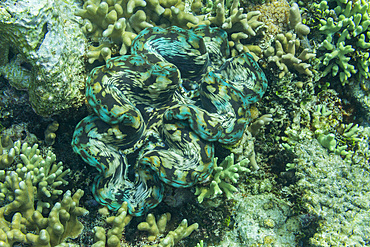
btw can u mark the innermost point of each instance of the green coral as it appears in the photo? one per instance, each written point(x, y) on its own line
point(346, 46)
point(224, 174)
point(45, 173)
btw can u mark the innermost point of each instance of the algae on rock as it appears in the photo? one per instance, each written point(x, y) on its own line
point(42, 48)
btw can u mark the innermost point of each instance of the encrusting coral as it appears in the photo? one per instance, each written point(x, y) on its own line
point(274, 15)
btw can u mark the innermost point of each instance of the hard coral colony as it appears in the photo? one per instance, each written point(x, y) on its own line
point(170, 97)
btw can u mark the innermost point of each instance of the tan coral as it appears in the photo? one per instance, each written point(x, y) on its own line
point(114, 235)
point(238, 24)
point(29, 226)
point(114, 24)
point(157, 228)
point(45, 173)
point(7, 151)
point(286, 55)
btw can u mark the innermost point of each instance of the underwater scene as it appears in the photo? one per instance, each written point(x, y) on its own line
point(185, 123)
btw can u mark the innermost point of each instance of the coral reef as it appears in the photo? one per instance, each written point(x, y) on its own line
point(290, 53)
point(349, 54)
point(295, 21)
point(29, 226)
point(220, 181)
point(263, 220)
point(176, 114)
point(42, 51)
point(45, 174)
point(114, 235)
point(114, 24)
point(50, 133)
point(149, 117)
point(157, 228)
point(274, 15)
point(336, 192)
point(7, 152)
point(285, 57)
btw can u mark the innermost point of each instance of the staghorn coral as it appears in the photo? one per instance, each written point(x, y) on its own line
point(42, 51)
point(169, 139)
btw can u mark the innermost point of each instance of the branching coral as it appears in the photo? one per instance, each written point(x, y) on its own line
point(285, 55)
point(29, 226)
point(114, 234)
point(346, 45)
point(7, 151)
point(289, 53)
point(224, 174)
point(237, 24)
point(46, 175)
point(114, 24)
point(157, 228)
